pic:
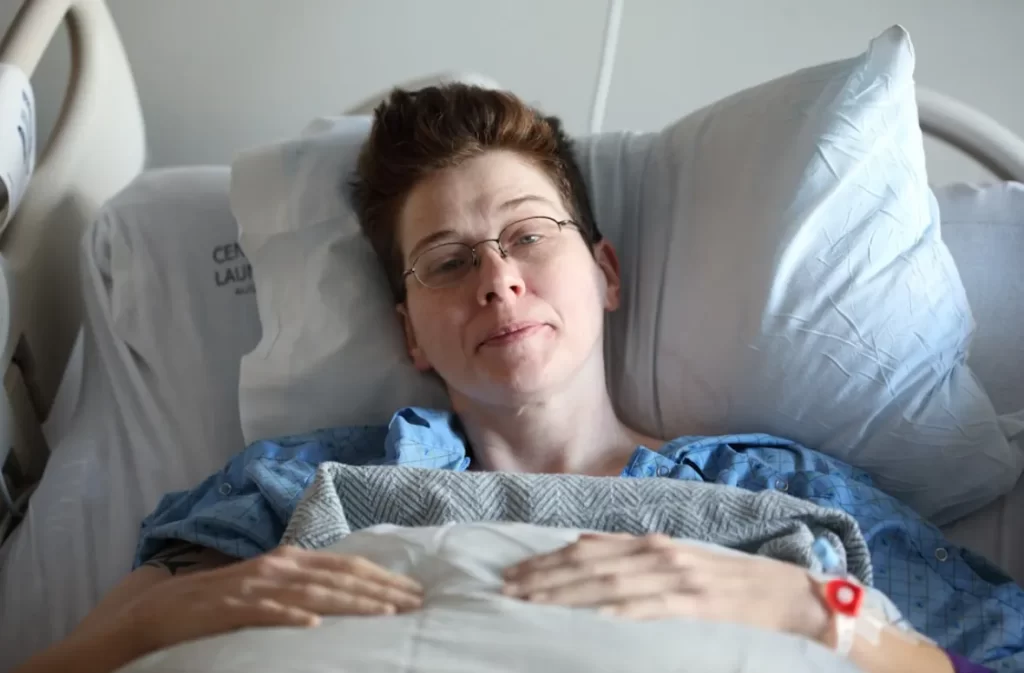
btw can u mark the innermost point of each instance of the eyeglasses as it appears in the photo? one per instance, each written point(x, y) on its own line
point(532, 240)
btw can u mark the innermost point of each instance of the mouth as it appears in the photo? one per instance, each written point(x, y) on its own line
point(511, 333)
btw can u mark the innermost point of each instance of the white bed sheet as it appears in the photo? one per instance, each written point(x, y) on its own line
point(77, 538)
point(466, 625)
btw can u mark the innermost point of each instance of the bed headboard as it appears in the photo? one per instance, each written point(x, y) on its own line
point(972, 132)
point(98, 147)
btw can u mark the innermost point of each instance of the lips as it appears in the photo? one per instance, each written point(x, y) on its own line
point(510, 332)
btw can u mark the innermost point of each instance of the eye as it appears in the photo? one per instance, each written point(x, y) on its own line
point(445, 263)
point(450, 264)
point(528, 238)
point(531, 232)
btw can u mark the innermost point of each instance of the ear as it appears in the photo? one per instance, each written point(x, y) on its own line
point(608, 263)
point(419, 360)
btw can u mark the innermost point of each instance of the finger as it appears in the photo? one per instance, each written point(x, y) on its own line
point(368, 588)
point(363, 567)
point(599, 569)
point(324, 601)
point(289, 557)
point(271, 613)
point(242, 614)
point(609, 589)
point(655, 607)
point(596, 536)
point(578, 553)
point(294, 568)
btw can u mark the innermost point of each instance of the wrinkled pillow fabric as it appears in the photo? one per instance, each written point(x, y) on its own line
point(803, 289)
point(331, 351)
point(783, 267)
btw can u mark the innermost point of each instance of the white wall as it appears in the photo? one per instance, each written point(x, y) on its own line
point(216, 76)
point(676, 56)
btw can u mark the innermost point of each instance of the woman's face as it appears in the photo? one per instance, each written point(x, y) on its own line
point(511, 329)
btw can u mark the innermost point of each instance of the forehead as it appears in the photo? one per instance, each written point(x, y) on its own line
point(468, 198)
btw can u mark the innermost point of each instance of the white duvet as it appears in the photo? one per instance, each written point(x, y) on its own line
point(467, 625)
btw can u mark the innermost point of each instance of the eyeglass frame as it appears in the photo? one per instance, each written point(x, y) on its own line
point(411, 271)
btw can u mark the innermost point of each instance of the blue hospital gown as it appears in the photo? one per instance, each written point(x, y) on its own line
point(957, 598)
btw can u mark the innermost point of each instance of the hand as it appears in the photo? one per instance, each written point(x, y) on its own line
point(287, 587)
point(655, 577)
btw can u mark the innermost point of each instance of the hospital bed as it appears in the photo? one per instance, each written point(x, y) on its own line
point(66, 405)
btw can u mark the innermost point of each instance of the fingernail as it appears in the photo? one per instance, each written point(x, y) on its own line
point(540, 597)
point(607, 611)
point(511, 589)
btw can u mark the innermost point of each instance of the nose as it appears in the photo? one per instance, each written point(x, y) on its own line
point(498, 278)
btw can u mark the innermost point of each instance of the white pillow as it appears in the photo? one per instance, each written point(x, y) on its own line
point(783, 273)
point(467, 625)
point(331, 353)
point(180, 311)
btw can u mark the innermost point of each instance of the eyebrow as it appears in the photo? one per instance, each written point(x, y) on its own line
point(426, 241)
point(525, 198)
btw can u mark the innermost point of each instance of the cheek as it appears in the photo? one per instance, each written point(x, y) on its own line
point(438, 323)
point(575, 293)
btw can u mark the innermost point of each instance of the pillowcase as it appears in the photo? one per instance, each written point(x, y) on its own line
point(331, 351)
point(178, 314)
point(783, 269)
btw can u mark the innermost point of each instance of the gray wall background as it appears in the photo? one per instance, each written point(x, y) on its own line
point(217, 76)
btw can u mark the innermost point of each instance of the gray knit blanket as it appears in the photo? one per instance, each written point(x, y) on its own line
point(345, 498)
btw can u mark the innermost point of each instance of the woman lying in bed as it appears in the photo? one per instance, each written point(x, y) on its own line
point(477, 211)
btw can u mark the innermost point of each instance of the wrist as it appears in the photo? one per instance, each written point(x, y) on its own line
point(93, 651)
point(111, 645)
point(814, 619)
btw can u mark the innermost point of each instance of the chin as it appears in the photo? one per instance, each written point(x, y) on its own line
point(521, 373)
point(522, 382)
point(519, 379)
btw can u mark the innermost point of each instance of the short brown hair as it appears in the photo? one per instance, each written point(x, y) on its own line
point(418, 132)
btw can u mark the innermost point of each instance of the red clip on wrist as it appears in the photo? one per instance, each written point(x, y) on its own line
point(843, 598)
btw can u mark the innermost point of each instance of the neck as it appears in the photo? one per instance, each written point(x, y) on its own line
point(574, 430)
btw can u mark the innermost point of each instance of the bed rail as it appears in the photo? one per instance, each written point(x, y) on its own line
point(97, 146)
point(974, 133)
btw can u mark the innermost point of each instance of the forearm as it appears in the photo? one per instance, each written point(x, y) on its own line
point(895, 653)
point(96, 652)
point(100, 642)
point(176, 559)
point(879, 647)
